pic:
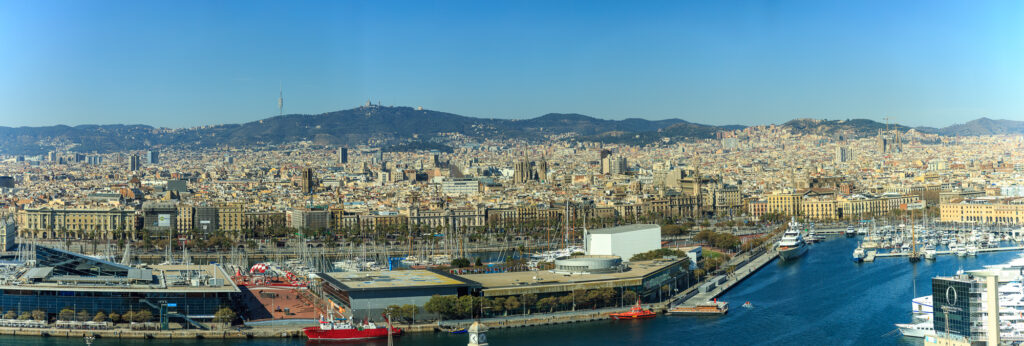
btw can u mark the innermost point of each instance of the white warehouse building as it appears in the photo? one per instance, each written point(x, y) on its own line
point(623, 241)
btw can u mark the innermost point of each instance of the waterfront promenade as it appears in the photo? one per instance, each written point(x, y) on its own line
point(263, 332)
point(747, 265)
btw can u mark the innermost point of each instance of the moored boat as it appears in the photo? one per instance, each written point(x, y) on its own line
point(916, 330)
point(343, 330)
point(929, 252)
point(703, 309)
point(792, 245)
point(859, 254)
point(634, 313)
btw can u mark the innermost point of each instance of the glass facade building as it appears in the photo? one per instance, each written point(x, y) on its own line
point(61, 279)
point(957, 304)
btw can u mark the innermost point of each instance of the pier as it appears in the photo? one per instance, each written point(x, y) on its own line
point(871, 256)
point(746, 268)
point(947, 252)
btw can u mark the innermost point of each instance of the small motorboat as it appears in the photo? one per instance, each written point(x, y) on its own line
point(748, 305)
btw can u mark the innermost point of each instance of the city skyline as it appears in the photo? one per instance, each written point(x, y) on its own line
point(183, 65)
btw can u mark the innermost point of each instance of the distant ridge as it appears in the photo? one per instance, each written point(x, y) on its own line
point(850, 127)
point(984, 126)
point(397, 126)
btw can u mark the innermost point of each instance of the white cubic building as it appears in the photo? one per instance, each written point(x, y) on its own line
point(623, 241)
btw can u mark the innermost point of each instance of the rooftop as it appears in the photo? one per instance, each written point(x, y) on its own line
point(398, 279)
point(539, 280)
point(163, 278)
point(623, 229)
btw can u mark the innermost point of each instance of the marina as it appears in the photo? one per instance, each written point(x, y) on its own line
point(950, 252)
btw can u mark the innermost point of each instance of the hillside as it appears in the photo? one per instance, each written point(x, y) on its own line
point(396, 126)
point(984, 126)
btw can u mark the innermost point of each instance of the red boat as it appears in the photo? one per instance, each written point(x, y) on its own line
point(634, 313)
point(346, 331)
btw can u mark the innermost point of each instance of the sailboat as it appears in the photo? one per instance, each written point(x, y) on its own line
point(914, 255)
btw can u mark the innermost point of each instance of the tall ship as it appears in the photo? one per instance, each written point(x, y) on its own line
point(792, 244)
point(344, 330)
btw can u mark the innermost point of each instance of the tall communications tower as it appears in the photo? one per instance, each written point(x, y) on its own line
point(280, 101)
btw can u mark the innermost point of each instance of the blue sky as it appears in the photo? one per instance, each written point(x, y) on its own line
point(189, 63)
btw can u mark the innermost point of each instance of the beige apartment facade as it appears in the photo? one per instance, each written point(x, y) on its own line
point(988, 210)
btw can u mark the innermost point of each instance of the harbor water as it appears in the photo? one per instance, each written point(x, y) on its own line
point(822, 298)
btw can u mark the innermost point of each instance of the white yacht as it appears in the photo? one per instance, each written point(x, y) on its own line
point(929, 252)
point(792, 245)
point(972, 250)
point(917, 330)
point(859, 254)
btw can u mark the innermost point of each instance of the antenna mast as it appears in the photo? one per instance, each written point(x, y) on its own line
point(280, 101)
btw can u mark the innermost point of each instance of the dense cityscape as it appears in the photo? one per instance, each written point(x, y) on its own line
point(427, 173)
point(489, 229)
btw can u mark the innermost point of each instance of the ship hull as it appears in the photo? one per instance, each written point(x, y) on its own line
point(632, 317)
point(696, 312)
point(315, 333)
point(792, 252)
point(908, 330)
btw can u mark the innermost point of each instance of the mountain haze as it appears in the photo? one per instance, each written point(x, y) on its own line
point(984, 126)
point(398, 125)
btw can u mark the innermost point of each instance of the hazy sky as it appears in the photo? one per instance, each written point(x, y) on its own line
point(185, 63)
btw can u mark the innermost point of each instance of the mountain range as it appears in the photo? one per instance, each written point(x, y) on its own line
point(400, 126)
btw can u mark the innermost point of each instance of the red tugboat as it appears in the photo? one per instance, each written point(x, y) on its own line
point(634, 313)
point(329, 330)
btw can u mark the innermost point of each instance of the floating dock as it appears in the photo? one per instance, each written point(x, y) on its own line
point(947, 252)
point(870, 256)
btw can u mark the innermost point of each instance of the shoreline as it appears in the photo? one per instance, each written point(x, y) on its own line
point(564, 317)
point(150, 334)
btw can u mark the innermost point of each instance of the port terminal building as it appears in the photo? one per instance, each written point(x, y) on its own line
point(367, 294)
point(652, 281)
point(53, 279)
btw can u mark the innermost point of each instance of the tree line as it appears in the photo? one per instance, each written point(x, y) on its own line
point(451, 307)
point(224, 315)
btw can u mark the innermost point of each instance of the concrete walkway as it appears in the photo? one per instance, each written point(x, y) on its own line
point(735, 277)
